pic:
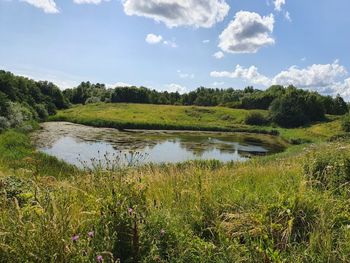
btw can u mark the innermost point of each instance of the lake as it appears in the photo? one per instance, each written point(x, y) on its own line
point(84, 146)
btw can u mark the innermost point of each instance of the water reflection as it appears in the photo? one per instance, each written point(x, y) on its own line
point(77, 143)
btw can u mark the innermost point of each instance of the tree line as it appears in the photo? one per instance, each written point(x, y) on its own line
point(24, 99)
point(288, 106)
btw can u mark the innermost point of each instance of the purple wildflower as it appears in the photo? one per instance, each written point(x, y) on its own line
point(75, 238)
point(99, 258)
point(130, 210)
point(91, 234)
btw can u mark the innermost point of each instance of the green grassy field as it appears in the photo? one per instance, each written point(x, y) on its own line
point(289, 207)
point(146, 116)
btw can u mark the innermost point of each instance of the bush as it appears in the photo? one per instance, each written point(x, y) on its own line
point(256, 118)
point(41, 111)
point(18, 114)
point(346, 123)
point(4, 124)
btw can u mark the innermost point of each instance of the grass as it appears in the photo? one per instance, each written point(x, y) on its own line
point(289, 207)
point(153, 117)
point(168, 117)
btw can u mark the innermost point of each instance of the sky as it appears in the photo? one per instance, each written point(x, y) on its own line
point(179, 45)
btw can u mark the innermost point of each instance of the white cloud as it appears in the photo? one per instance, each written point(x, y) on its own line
point(219, 55)
point(119, 84)
point(317, 75)
point(48, 6)
point(153, 39)
point(218, 84)
point(287, 16)
point(343, 89)
point(206, 41)
point(278, 4)
point(174, 13)
point(250, 74)
point(185, 75)
point(96, 2)
point(247, 33)
point(324, 78)
point(176, 88)
point(170, 43)
point(157, 39)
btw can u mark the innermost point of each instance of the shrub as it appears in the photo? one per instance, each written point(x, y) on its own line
point(41, 111)
point(18, 114)
point(92, 100)
point(4, 124)
point(346, 123)
point(255, 118)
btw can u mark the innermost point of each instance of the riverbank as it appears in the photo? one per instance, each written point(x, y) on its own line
point(168, 117)
point(290, 207)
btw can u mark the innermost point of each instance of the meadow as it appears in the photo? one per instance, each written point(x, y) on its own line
point(169, 117)
point(288, 207)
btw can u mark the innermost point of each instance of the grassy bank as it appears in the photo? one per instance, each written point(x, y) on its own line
point(291, 207)
point(159, 117)
point(167, 117)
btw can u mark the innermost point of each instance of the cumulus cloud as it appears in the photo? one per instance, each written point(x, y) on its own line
point(324, 78)
point(96, 2)
point(153, 39)
point(219, 55)
point(278, 4)
point(250, 74)
point(174, 13)
point(317, 75)
point(48, 6)
point(247, 33)
point(176, 88)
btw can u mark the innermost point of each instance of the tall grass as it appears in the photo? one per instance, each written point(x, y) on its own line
point(265, 210)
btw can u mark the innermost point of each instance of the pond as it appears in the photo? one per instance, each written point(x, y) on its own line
point(84, 146)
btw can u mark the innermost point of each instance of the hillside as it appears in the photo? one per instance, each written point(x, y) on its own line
point(149, 116)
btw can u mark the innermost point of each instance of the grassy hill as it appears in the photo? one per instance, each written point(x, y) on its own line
point(148, 116)
point(167, 117)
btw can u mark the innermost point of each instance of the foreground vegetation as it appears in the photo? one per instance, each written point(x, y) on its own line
point(291, 207)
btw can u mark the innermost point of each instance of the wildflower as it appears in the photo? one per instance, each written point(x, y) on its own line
point(162, 232)
point(99, 258)
point(91, 234)
point(130, 210)
point(75, 238)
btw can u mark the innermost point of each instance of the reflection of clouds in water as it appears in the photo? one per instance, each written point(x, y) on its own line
point(68, 141)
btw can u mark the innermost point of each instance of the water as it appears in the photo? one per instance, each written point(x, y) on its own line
point(78, 144)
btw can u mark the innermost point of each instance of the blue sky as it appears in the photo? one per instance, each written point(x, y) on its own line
point(170, 44)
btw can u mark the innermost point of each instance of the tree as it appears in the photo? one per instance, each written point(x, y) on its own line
point(296, 108)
